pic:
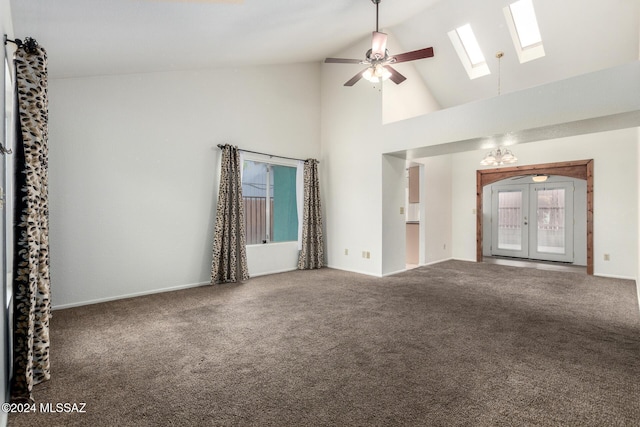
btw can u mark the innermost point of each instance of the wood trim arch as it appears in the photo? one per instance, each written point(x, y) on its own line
point(581, 169)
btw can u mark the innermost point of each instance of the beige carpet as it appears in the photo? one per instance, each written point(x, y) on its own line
point(451, 344)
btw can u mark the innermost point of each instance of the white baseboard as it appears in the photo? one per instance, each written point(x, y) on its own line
point(437, 262)
point(366, 273)
point(464, 259)
point(394, 272)
point(614, 276)
point(266, 273)
point(135, 294)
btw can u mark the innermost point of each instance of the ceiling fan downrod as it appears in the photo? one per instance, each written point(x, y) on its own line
point(376, 2)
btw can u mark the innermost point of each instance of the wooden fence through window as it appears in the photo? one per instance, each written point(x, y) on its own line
point(255, 219)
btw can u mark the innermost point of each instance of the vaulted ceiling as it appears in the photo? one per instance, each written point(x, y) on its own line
point(86, 38)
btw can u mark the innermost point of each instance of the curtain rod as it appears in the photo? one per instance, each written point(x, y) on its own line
point(266, 154)
point(29, 43)
point(17, 42)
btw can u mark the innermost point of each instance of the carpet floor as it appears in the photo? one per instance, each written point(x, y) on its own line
point(452, 344)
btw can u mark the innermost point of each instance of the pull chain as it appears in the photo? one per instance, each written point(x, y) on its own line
point(499, 55)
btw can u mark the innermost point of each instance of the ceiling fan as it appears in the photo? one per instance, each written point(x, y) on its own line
point(378, 60)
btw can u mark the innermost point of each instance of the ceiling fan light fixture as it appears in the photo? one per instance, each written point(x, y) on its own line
point(376, 74)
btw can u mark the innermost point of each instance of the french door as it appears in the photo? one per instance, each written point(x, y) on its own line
point(533, 221)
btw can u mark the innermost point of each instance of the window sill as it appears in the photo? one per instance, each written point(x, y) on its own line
point(256, 245)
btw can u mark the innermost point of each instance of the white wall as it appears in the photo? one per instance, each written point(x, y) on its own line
point(615, 194)
point(574, 104)
point(394, 180)
point(351, 167)
point(638, 180)
point(437, 203)
point(134, 171)
point(409, 99)
point(638, 196)
point(6, 27)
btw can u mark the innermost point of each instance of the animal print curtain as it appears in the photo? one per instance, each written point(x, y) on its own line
point(312, 253)
point(229, 252)
point(31, 285)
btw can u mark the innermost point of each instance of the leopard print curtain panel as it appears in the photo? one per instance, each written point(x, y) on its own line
point(312, 254)
point(31, 283)
point(229, 252)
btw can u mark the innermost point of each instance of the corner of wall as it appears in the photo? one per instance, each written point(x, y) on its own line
point(412, 98)
point(6, 27)
point(638, 214)
point(638, 291)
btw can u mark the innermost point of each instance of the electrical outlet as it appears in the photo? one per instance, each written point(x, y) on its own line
point(364, 254)
point(607, 257)
point(401, 210)
point(368, 254)
point(444, 246)
point(346, 251)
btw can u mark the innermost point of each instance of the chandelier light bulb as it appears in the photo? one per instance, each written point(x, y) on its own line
point(499, 157)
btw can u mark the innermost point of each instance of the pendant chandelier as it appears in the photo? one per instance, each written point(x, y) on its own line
point(499, 157)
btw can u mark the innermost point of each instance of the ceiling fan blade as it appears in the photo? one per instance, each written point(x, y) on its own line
point(427, 52)
point(396, 77)
point(378, 45)
point(342, 61)
point(355, 78)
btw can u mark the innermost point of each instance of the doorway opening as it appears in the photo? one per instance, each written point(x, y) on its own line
point(549, 244)
point(413, 225)
point(536, 220)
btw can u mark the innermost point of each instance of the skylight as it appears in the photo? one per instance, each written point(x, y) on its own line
point(523, 25)
point(468, 49)
point(470, 44)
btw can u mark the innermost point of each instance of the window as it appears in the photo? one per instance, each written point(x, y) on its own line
point(523, 26)
point(466, 45)
point(270, 207)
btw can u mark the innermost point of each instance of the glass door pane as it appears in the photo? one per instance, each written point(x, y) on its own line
point(509, 220)
point(552, 236)
point(551, 221)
